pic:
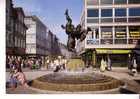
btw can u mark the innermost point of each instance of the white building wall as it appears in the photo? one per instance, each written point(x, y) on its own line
point(35, 36)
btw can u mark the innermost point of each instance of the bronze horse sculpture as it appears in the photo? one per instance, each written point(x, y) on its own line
point(73, 32)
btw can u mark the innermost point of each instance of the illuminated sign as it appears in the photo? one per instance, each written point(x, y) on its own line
point(134, 34)
point(120, 34)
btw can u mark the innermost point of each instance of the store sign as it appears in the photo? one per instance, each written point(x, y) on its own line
point(106, 34)
point(134, 34)
point(120, 34)
point(104, 51)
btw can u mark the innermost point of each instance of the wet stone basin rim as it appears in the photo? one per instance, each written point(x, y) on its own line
point(72, 83)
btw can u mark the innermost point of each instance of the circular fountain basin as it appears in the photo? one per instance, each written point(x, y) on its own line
point(75, 82)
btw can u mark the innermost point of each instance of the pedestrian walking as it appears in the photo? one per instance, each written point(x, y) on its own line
point(103, 65)
point(134, 69)
point(109, 67)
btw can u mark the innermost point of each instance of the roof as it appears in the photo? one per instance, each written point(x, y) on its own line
point(35, 18)
point(19, 9)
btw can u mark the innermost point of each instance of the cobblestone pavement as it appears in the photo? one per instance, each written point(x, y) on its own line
point(132, 83)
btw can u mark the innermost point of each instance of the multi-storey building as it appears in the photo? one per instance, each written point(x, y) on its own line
point(48, 42)
point(19, 35)
point(52, 44)
point(35, 37)
point(115, 30)
point(9, 27)
point(55, 50)
point(15, 30)
point(65, 52)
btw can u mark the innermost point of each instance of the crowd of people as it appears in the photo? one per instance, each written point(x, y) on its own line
point(16, 64)
point(56, 64)
point(32, 63)
point(106, 64)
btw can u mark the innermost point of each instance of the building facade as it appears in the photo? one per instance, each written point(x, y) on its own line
point(9, 27)
point(35, 37)
point(115, 31)
point(65, 52)
point(52, 44)
point(15, 30)
point(55, 50)
point(49, 35)
point(19, 32)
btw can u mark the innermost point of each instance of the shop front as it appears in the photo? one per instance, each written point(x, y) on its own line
point(118, 57)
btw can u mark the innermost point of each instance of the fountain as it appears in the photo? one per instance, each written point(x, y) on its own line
point(75, 81)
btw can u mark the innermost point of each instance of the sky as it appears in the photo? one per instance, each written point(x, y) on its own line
point(51, 13)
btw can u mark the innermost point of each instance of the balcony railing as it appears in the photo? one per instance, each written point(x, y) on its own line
point(112, 41)
point(106, 41)
point(120, 41)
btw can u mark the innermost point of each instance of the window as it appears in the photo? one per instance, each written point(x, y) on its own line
point(106, 32)
point(120, 1)
point(92, 37)
point(134, 31)
point(16, 42)
point(120, 35)
point(106, 12)
point(134, 11)
point(120, 32)
point(92, 2)
point(106, 1)
point(106, 20)
point(134, 1)
point(92, 12)
point(134, 19)
point(120, 19)
point(95, 20)
point(120, 12)
point(134, 35)
point(30, 38)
